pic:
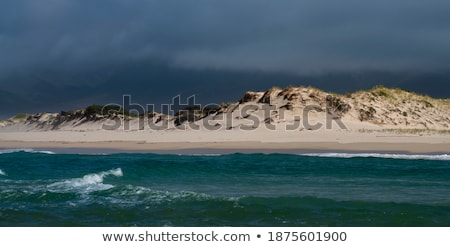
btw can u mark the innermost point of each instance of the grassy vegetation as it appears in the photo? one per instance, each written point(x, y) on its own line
point(381, 91)
point(108, 109)
point(194, 113)
point(366, 115)
point(407, 131)
point(21, 116)
point(399, 96)
point(225, 105)
point(417, 131)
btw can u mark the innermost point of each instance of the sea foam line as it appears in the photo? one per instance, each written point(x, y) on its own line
point(25, 150)
point(381, 155)
point(144, 195)
point(206, 155)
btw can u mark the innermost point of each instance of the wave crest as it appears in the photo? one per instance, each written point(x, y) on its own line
point(86, 184)
point(25, 150)
point(381, 155)
point(2, 173)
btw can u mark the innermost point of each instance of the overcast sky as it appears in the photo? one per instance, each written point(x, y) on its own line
point(70, 53)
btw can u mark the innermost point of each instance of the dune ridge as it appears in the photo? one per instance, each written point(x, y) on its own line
point(379, 108)
point(277, 120)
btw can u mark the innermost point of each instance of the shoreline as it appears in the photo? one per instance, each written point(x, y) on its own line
point(228, 147)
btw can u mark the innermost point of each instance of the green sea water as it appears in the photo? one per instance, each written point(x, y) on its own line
point(39, 188)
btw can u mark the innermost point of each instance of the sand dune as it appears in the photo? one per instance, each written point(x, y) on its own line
point(289, 118)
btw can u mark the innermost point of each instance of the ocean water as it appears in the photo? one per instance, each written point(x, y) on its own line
point(41, 188)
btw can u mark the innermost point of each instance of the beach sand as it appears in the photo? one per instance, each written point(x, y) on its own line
point(256, 141)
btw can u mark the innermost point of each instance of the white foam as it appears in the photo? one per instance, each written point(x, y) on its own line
point(2, 173)
point(25, 150)
point(43, 152)
point(381, 155)
point(86, 184)
point(139, 195)
point(213, 155)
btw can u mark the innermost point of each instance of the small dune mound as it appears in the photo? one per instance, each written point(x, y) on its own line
point(400, 108)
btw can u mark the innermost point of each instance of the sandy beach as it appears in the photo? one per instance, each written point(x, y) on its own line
point(257, 141)
point(235, 147)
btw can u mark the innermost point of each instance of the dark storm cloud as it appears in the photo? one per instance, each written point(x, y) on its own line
point(293, 36)
point(74, 51)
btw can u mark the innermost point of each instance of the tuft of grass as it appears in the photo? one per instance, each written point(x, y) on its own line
point(383, 93)
point(367, 115)
point(366, 130)
point(21, 116)
point(225, 104)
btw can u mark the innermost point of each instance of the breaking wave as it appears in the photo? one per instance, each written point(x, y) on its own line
point(86, 184)
point(381, 155)
point(25, 150)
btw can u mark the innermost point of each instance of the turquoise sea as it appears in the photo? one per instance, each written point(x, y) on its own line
point(43, 188)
